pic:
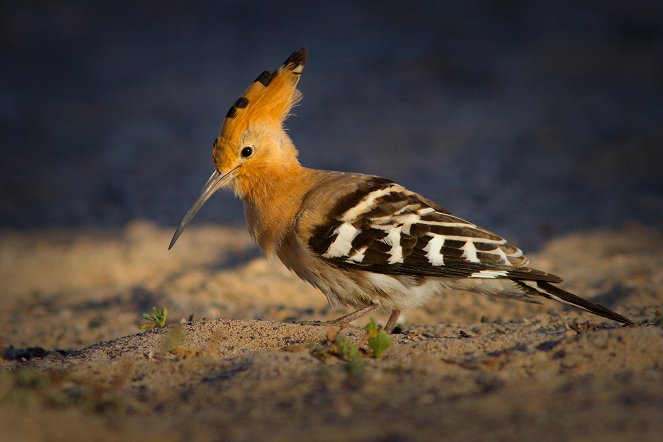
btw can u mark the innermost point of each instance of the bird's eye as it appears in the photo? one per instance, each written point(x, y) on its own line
point(247, 152)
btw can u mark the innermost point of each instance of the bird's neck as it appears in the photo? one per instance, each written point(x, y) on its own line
point(272, 200)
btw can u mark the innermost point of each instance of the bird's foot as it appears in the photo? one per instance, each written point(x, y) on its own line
point(346, 319)
point(313, 322)
point(343, 320)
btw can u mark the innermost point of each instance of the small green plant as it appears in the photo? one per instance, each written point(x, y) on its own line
point(378, 340)
point(349, 352)
point(339, 346)
point(346, 349)
point(158, 318)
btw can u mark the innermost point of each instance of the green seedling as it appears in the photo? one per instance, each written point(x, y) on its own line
point(339, 346)
point(378, 340)
point(158, 319)
point(346, 349)
point(349, 352)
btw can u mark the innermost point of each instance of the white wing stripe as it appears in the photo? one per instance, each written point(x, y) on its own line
point(503, 256)
point(407, 208)
point(448, 224)
point(388, 227)
point(465, 238)
point(433, 249)
point(470, 252)
point(359, 256)
point(343, 243)
point(489, 274)
point(366, 204)
point(394, 240)
point(409, 218)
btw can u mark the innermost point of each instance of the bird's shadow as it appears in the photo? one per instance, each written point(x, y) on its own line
point(613, 296)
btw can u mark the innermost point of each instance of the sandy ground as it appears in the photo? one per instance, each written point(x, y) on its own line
point(464, 367)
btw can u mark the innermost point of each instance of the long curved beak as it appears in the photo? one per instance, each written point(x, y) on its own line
point(214, 183)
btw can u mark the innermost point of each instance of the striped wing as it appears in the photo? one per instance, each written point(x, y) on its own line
point(384, 228)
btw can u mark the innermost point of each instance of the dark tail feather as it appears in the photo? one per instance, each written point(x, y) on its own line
point(551, 292)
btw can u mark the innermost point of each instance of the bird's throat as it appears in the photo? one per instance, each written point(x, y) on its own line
point(271, 201)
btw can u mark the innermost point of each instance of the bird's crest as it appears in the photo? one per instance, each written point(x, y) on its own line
point(267, 101)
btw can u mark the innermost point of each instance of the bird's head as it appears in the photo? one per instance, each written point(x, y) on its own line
point(252, 144)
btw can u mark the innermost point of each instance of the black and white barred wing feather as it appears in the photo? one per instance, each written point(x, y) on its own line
point(384, 228)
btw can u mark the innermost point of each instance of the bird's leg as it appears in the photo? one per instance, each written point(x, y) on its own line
point(354, 315)
point(343, 320)
point(391, 322)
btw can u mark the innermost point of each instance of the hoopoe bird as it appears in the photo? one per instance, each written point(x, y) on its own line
point(364, 241)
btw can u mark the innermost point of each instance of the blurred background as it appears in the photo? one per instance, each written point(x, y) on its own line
point(531, 119)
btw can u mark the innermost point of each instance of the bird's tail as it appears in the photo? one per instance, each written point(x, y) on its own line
point(550, 291)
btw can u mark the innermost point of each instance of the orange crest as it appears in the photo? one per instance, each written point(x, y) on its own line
point(267, 101)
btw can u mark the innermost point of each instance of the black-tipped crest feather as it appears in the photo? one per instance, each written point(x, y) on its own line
point(297, 58)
